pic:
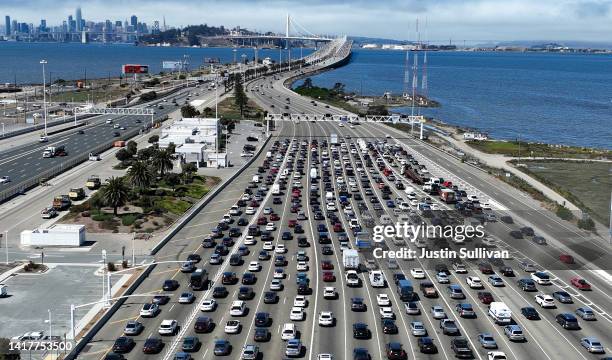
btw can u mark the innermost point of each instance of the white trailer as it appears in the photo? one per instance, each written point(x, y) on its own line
point(350, 259)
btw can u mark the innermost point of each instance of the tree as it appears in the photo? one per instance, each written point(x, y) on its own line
point(188, 170)
point(208, 111)
point(148, 96)
point(132, 147)
point(123, 155)
point(146, 153)
point(114, 193)
point(140, 175)
point(162, 161)
point(307, 83)
point(338, 88)
point(172, 179)
point(188, 111)
point(153, 139)
point(240, 98)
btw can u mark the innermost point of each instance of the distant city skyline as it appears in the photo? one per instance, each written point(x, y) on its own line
point(443, 20)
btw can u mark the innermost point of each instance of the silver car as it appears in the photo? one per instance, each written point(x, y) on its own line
point(133, 327)
point(418, 329)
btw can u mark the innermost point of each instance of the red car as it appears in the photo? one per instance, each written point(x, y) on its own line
point(292, 223)
point(327, 265)
point(485, 268)
point(262, 221)
point(580, 283)
point(329, 276)
point(337, 227)
point(254, 203)
point(295, 209)
point(566, 259)
point(274, 217)
point(485, 297)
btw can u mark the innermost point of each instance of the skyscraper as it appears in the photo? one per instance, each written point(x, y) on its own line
point(79, 19)
point(134, 21)
point(7, 25)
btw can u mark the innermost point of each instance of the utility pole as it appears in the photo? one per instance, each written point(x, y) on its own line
point(43, 62)
point(103, 274)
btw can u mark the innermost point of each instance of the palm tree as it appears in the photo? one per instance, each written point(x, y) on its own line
point(114, 193)
point(140, 175)
point(162, 161)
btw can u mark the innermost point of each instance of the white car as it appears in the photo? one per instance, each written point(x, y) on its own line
point(280, 249)
point(254, 266)
point(331, 206)
point(417, 273)
point(268, 211)
point(496, 355)
point(168, 327)
point(250, 240)
point(268, 245)
point(232, 327)
point(329, 292)
point(327, 356)
point(279, 273)
point(270, 227)
point(300, 301)
point(208, 305)
point(238, 308)
point(442, 278)
point(386, 312)
point(250, 210)
point(302, 266)
point(474, 282)
point(326, 318)
point(288, 332)
point(545, 301)
point(296, 314)
point(234, 210)
point(245, 197)
point(5, 179)
point(149, 310)
point(383, 300)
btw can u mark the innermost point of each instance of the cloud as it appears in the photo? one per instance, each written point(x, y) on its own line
point(444, 19)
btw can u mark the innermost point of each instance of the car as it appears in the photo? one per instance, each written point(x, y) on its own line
point(254, 266)
point(222, 347)
point(186, 298)
point(203, 324)
point(417, 328)
point(386, 312)
point(296, 314)
point(442, 278)
point(232, 327)
point(149, 310)
point(280, 260)
point(592, 345)
point(388, 326)
point(208, 305)
point(276, 285)
point(194, 258)
point(220, 292)
point(245, 293)
point(580, 283)
point(514, 333)
point(485, 297)
point(361, 331)
point(279, 273)
point(300, 301)
point(487, 341)
point(293, 348)
point(417, 273)
point(152, 345)
point(530, 313)
point(133, 327)
point(412, 308)
point(506, 271)
point(123, 345)
point(563, 297)
point(585, 313)
point(357, 304)
point(395, 351)
point(426, 345)
point(170, 285)
point(191, 344)
point(262, 319)
point(527, 266)
point(329, 292)
point(455, 292)
point(302, 266)
point(495, 280)
point(270, 297)
point(328, 276)
point(360, 353)
point(383, 300)
point(461, 348)
point(526, 284)
point(459, 268)
point(248, 278)
point(545, 301)
point(449, 327)
point(474, 282)
point(437, 312)
point(326, 318)
point(228, 278)
point(5, 179)
point(238, 308)
point(465, 310)
point(568, 321)
point(261, 334)
point(325, 356)
point(168, 327)
point(496, 355)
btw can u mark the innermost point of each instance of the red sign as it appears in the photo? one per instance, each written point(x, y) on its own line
point(135, 69)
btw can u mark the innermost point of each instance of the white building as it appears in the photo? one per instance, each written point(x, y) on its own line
point(55, 235)
point(191, 131)
point(475, 136)
point(267, 61)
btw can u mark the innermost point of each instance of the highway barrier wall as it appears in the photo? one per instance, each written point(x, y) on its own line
point(178, 226)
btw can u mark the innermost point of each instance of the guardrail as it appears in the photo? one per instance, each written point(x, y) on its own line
point(184, 220)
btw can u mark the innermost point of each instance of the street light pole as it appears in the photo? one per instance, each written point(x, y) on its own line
point(6, 245)
point(133, 250)
point(103, 273)
point(43, 62)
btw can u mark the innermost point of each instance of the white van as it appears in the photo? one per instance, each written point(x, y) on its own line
point(288, 332)
point(3, 290)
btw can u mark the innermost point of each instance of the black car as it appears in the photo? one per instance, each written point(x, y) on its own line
point(527, 231)
point(361, 354)
point(303, 288)
point(152, 345)
point(264, 255)
point(242, 222)
point(395, 351)
point(203, 324)
point(388, 326)
point(270, 297)
point(526, 284)
point(568, 321)
point(398, 276)
point(194, 258)
point(303, 242)
point(161, 299)
point(327, 250)
point(426, 345)
point(116, 134)
point(245, 293)
point(261, 334)
point(461, 348)
point(248, 278)
point(222, 347)
point(170, 285)
point(280, 261)
point(530, 313)
point(229, 278)
point(208, 243)
point(277, 201)
point(442, 268)
point(114, 356)
point(262, 319)
point(506, 271)
point(562, 297)
point(219, 292)
point(357, 304)
point(517, 234)
point(235, 260)
point(287, 235)
point(123, 345)
point(361, 331)
point(81, 132)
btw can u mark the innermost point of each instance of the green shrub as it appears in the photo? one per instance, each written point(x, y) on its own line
point(101, 216)
point(564, 213)
point(586, 224)
point(128, 220)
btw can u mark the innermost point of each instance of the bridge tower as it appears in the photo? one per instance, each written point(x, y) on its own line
point(287, 25)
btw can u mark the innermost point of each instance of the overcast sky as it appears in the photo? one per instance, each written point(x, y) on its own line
point(475, 20)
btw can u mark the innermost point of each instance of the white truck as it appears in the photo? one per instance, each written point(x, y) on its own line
point(350, 259)
point(333, 139)
point(276, 189)
point(500, 312)
point(377, 278)
point(255, 179)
